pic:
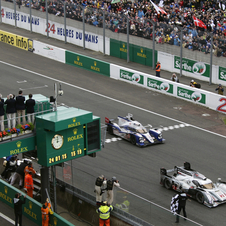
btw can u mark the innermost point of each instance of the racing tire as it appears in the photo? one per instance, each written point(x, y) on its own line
point(110, 130)
point(133, 139)
point(199, 197)
point(167, 184)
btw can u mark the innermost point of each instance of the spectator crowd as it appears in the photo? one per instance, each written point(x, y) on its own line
point(142, 15)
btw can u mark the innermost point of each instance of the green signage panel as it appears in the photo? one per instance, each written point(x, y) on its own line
point(191, 66)
point(189, 94)
point(222, 74)
point(159, 85)
point(31, 209)
point(87, 63)
point(132, 77)
point(17, 145)
point(138, 54)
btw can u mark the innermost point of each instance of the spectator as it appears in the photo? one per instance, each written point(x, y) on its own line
point(11, 111)
point(30, 103)
point(174, 78)
point(2, 114)
point(220, 89)
point(20, 107)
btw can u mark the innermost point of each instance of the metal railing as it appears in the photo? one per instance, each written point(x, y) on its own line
point(139, 208)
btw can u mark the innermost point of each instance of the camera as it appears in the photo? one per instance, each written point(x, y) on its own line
point(61, 92)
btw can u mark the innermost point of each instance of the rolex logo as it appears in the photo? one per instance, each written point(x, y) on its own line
point(18, 144)
point(77, 58)
point(6, 189)
point(75, 131)
point(30, 204)
point(95, 63)
point(123, 45)
point(55, 221)
point(74, 119)
point(141, 50)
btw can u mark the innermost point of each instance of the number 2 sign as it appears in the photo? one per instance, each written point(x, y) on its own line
point(221, 107)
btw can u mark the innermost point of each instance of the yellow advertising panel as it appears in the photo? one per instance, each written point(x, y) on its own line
point(15, 40)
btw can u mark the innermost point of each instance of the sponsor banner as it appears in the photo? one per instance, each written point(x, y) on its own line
point(222, 74)
point(189, 94)
point(159, 85)
point(87, 63)
point(194, 67)
point(49, 51)
point(133, 77)
point(15, 40)
point(55, 30)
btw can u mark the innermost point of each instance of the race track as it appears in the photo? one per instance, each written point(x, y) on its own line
point(190, 136)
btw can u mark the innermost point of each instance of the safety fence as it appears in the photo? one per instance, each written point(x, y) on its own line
point(125, 202)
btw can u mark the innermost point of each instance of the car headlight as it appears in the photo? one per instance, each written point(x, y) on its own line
point(141, 139)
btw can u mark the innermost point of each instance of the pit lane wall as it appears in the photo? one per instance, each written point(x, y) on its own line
point(16, 40)
point(31, 209)
point(178, 90)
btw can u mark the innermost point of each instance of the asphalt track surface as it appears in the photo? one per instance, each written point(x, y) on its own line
point(198, 142)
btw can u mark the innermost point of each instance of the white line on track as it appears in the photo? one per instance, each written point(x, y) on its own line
point(22, 81)
point(38, 87)
point(7, 218)
point(110, 98)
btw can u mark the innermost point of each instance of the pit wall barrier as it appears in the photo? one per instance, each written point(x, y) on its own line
point(31, 209)
point(49, 51)
point(16, 40)
point(190, 68)
point(198, 96)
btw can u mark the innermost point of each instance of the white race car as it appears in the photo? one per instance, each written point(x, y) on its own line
point(195, 184)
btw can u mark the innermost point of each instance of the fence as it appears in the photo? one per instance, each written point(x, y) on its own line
point(138, 208)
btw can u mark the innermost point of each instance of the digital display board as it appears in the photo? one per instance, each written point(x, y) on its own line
point(62, 136)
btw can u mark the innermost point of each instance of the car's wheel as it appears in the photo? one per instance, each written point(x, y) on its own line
point(167, 184)
point(133, 139)
point(110, 130)
point(200, 197)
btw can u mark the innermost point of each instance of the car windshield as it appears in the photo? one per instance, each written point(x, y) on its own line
point(141, 129)
point(208, 186)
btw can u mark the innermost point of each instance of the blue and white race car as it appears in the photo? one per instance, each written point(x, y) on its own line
point(133, 131)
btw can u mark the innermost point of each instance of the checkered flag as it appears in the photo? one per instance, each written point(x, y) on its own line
point(174, 204)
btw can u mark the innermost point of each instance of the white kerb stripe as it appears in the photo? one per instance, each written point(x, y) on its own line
point(7, 218)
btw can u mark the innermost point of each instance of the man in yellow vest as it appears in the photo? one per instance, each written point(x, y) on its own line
point(104, 211)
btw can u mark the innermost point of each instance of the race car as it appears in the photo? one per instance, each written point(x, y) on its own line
point(129, 129)
point(194, 184)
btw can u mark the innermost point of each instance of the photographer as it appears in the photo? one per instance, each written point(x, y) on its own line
point(100, 181)
point(110, 185)
point(220, 89)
